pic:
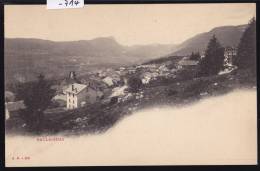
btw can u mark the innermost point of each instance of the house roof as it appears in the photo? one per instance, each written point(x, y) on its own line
point(14, 106)
point(230, 48)
point(108, 80)
point(9, 95)
point(188, 62)
point(75, 88)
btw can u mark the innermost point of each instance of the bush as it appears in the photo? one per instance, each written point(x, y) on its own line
point(195, 88)
point(134, 83)
point(113, 100)
point(195, 56)
point(171, 92)
point(186, 74)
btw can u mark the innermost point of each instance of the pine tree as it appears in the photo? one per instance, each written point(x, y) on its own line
point(246, 55)
point(72, 78)
point(191, 56)
point(37, 97)
point(195, 56)
point(213, 61)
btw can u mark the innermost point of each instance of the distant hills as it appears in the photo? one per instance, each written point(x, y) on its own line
point(25, 58)
point(99, 50)
point(227, 35)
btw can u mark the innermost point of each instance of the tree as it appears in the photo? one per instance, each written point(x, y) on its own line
point(246, 54)
point(72, 75)
point(195, 56)
point(213, 61)
point(134, 83)
point(72, 78)
point(191, 55)
point(37, 97)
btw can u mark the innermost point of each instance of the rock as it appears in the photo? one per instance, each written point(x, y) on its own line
point(85, 118)
point(78, 120)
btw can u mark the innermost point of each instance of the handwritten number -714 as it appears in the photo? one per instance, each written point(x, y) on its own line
point(70, 2)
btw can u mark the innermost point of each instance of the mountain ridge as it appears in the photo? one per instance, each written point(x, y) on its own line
point(227, 35)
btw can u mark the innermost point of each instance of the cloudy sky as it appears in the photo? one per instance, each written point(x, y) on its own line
point(128, 24)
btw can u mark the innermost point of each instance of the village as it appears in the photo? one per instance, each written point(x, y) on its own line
point(129, 84)
point(111, 86)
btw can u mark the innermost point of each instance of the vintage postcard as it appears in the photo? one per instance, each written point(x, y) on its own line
point(130, 84)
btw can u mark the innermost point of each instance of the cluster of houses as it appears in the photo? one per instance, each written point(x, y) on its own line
point(115, 80)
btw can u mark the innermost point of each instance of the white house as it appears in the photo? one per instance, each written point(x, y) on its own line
point(108, 81)
point(76, 95)
point(7, 114)
point(187, 62)
point(13, 108)
point(229, 53)
point(147, 76)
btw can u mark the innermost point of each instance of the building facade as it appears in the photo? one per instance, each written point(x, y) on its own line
point(76, 95)
point(12, 108)
point(229, 53)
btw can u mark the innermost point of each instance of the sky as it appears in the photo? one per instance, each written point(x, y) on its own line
point(129, 24)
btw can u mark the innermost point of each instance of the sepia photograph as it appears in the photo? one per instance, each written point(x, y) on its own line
point(130, 84)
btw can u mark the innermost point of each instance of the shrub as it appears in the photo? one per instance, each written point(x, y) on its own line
point(134, 83)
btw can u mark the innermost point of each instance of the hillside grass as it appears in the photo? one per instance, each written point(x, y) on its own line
point(99, 117)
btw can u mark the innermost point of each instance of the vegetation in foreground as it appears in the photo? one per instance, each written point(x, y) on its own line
point(101, 116)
